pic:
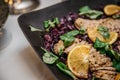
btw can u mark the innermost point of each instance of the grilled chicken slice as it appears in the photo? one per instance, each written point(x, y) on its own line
point(112, 24)
point(101, 66)
point(58, 46)
point(105, 75)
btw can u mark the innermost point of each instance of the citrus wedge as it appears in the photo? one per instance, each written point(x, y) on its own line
point(113, 37)
point(117, 76)
point(111, 9)
point(93, 34)
point(77, 60)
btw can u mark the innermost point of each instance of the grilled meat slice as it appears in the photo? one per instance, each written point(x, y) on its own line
point(105, 75)
point(58, 46)
point(112, 24)
point(101, 66)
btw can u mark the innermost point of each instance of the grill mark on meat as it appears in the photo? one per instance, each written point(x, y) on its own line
point(101, 66)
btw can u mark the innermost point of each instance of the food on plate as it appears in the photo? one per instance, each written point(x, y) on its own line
point(94, 33)
point(117, 77)
point(58, 46)
point(111, 24)
point(101, 66)
point(84, 45)
point(111, 9)
point(77, 60)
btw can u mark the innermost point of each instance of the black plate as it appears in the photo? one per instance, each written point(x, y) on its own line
point(36, 19)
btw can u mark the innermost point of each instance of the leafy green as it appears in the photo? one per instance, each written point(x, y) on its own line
point(48, 57)
point(68, 37)
point(71, 33)
point(51, 23)
point(46, 24)
point(93, 14)
point(56, 21)
point(104, 31)
point(84, 9)
point(116, 64)
point(61, 51)
point(65, 69)
point(99, 44)
point(34, 29)
point(82, 30)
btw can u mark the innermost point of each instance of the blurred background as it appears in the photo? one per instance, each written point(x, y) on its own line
point(18, 61)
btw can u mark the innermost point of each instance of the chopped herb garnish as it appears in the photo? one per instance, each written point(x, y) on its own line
point(104, 31)
point(99, 44)
point(56, 21)
point(65, 69)
point(82, 30)
point(48, 57)
point(68, 37)
point(34, 29)
point(51, 23)
point(93, 14)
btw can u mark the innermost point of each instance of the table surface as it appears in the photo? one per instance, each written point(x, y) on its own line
point(18, 61)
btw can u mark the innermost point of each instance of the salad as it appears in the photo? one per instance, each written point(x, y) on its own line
point(84, 45)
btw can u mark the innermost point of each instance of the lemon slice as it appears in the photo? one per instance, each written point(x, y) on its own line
point(77, 60)
point(93, 34)
point(111, 9)
point(113, 37)
point(117, 76)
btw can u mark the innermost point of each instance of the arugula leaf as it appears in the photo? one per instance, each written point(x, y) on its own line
point(56, 20)
point(116, 64)
point(68, 37)
point(93, 14)
point(46, 24)
point(82, 30)
point(48, 57)
point(99, 44)
point(51, 24)
point(71, 33)
point(34, 29)
point(104, 31)
point(65, 69)
point(67, 40)
point(61, 51)
point(84, 9)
